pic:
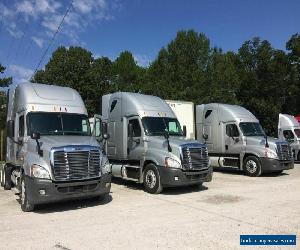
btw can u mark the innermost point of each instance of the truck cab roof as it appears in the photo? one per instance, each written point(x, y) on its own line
point(45, 98)
point(129, 104)
point(287, 121)
point(226, 112)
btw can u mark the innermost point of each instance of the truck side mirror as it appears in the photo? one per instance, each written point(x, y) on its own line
point(166, 135)
point(205, 137)
point(35, 135)
point(130, 130)
point(184, 130)
point(10, 128)
point(105, 131)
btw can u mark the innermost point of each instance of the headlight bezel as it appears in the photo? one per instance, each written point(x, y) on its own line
point(172, 163)
point(106, 167)
point(39, 172)
point(271, 154)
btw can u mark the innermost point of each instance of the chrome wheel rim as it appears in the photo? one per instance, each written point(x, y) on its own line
point(150, 179)
point(251, 166)
point(23, 193)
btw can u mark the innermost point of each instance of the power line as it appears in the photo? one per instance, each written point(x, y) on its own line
point(52, 39)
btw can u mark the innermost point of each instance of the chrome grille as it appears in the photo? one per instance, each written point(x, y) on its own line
point(284, 152)
point(69, 163)
point(194, 158)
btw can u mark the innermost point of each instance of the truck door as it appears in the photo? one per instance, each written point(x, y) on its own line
point(19, 137)
point(135, 145)
point(233, 145)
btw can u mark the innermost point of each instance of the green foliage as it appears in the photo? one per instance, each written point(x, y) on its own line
point(264, 80)
point(4, 82)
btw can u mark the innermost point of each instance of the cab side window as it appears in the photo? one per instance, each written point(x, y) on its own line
point(232, 130)
point(288, 134)
point(136, 127)
point(21, 126)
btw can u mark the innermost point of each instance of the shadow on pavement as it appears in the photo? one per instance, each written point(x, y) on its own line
point(127, 183)
point(166, 191)
point(230, 171)
point(183, 190)
point(71, 205)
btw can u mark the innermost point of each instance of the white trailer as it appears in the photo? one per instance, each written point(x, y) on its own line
point(185, 114)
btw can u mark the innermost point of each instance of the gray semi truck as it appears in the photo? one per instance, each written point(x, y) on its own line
point(51, 155)
point(289, 129)
point(235, 138)
point(145, 143)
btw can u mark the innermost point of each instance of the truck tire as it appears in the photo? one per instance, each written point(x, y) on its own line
point(151, 179)
point(26, 206)
point(252, 166)
point(2, 177)
point(7, 184)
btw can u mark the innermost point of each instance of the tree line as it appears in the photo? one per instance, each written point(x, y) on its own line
point(259, 77)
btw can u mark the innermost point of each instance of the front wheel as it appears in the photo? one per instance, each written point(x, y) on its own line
point(26, 205)
point(7, 183)
point(152, 182)
point(252, 166)
point(2, 177)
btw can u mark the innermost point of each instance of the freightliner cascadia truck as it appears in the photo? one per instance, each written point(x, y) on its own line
point(235, 139)
point(51, 155)
point(145, 143)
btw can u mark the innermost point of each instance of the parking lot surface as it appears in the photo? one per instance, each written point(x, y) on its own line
point(209, 217)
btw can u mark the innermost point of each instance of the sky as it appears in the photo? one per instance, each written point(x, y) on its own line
point(108, 27)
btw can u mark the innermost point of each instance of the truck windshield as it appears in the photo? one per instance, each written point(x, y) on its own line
point(161, 125)
point(297, 132)
point(58, 124)
point(252, 129)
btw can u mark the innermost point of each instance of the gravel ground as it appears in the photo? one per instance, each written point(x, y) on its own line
point(211, 217)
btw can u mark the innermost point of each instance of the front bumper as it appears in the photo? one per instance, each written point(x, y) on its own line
point(172, 177)
point(271, 165)
point(55, 191)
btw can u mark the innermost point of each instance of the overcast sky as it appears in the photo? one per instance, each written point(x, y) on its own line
point(107, 27)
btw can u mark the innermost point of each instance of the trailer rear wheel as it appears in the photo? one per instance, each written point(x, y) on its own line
point(7, 184)
point(26, 206)
point(252, 166)
point(152, 181)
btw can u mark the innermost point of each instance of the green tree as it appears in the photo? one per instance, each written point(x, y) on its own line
point(223, 80)
point(70, 67)
point(126, 73)
point(179, 70)
point(263, 73)
point(99, 77)
point(292, 98)
point(4, 83)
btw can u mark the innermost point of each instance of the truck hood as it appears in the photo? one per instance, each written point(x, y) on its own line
point(48, 142)
point(260, 140)
point(175, 141)
point(158, 145)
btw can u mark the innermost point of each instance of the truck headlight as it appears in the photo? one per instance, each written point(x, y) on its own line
point(106, 167)
point(38, 171)
point(171, 163)
point(270, 154)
